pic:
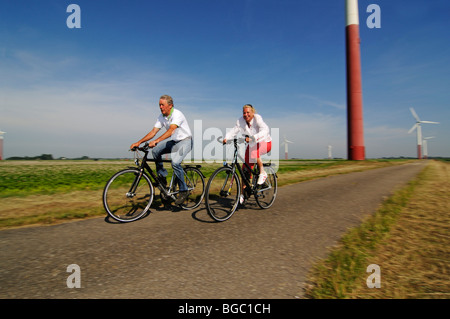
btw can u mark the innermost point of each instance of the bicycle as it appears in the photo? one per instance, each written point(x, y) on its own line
point(129, 193)
point(224, 187)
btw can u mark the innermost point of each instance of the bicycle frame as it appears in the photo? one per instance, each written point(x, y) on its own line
point(235, 164)
point(144, 166)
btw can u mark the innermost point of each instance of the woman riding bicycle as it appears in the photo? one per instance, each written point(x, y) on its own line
point(260, 141)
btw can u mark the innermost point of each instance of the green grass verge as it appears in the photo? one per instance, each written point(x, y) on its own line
point(341, 271)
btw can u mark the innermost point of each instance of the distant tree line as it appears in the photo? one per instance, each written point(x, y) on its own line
point(43, 157)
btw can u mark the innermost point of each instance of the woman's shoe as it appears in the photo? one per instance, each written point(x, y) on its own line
point(262, 178)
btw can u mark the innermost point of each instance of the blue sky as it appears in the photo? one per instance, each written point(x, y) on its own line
point(93, 91)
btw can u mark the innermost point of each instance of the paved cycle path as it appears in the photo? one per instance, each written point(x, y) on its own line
point(256, 254)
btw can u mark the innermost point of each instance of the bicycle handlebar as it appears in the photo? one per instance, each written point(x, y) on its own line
point(238, 140)
point(142, 149)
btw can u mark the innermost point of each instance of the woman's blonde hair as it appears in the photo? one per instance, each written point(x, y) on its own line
point(249, 106)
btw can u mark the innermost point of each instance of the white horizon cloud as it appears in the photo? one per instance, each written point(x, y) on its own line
point(102, 120)
point(100, 113)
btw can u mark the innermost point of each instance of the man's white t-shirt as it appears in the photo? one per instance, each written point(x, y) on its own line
point(176, 117)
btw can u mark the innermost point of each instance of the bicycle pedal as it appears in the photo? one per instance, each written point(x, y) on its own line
point(224, 193)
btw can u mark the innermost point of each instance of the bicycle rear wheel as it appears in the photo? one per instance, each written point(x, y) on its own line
point(265, 194)
point(222, 194)
point(196, 188)
point(128, 195)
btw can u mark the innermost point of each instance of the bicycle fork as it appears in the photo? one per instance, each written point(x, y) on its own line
point(132, 192)
point(224, 192)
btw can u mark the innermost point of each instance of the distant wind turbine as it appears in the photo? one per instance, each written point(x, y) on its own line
point(425, 146)
point(329, 152)
point(285, 143)
point(418, 127)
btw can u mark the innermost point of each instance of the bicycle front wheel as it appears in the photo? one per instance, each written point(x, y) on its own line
point(196, 188)
point(265, 194)
point(222, 194)
point(128, 195)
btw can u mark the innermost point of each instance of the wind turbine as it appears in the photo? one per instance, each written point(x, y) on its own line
point(329, 152)
point(1, 144)
point(425, 146)
point(418, 127)
point(286, 142)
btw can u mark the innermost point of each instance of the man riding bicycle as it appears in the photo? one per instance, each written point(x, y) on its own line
point(179, 145)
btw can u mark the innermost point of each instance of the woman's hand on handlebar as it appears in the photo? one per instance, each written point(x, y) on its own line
point(222, 141)
point(239, 140)
point(249, 139)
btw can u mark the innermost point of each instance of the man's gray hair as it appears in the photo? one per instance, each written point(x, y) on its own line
point(168, 98)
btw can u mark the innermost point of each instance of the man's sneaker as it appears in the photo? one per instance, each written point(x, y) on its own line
point(241, 199)
point(262, 178)
point(181, 197)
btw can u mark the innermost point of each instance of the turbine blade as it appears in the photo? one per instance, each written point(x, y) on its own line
point(412, 128)
point(414, 114)
point(429, 122)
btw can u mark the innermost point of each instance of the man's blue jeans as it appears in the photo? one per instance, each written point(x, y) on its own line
point(178, 151)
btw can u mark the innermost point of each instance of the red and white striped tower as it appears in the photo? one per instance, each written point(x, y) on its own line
point(355, 131)
point(1, 145)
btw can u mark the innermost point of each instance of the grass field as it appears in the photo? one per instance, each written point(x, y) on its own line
point(48, 192)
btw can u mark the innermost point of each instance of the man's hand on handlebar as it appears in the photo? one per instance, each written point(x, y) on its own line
point(152, 144)
point(135, 146)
